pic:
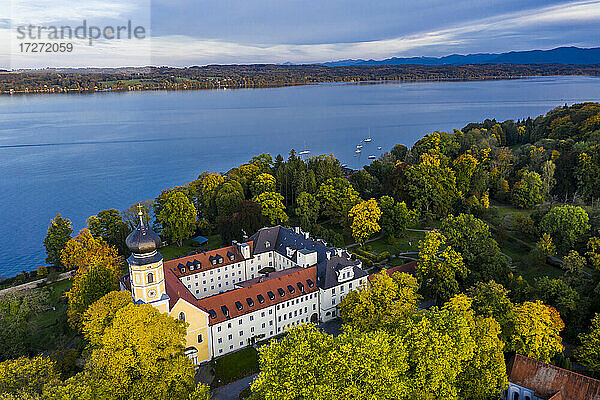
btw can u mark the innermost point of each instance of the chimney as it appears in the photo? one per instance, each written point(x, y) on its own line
point(329, 255)
point(297, 230)
point(306, 235)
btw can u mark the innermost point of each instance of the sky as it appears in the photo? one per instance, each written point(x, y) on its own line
point(200, 32)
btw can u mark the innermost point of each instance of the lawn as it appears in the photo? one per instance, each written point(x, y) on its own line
point(235, 366)
point(409, 242)
point(52, 327)
point(189, 246)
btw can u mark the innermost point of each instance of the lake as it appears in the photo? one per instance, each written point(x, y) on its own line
point(79, 154)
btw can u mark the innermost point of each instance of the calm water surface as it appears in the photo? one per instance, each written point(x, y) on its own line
point(79, 154)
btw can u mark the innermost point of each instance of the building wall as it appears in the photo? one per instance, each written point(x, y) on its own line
point(245, 330)
point(330, 298)
point(198, 332)
point(516, 392)
point(206, 283)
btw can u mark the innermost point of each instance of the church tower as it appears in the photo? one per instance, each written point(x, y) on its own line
point(146, 267)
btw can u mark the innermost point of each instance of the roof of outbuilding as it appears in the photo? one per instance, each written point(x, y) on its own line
point(408, 268)
point(547, 380)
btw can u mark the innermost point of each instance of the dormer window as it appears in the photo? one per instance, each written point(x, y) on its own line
point(212, 313)
point(238, 305)
point(225, 311)
point(310, 283)
point(300, 286)
point(267, 244)
point(291, 289)
point(220, 260)
point(250, 302)
point(261, 298)
point(281, 292)
point(271, 295)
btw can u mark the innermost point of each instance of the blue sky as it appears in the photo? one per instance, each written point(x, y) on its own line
point(196, 32)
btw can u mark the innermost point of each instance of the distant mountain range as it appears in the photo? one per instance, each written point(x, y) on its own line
point(559, 55)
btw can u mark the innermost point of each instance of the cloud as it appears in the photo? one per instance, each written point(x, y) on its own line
point(536, 27)
point(197, 51)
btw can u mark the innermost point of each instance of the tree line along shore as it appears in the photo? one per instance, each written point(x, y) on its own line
point(262, 75)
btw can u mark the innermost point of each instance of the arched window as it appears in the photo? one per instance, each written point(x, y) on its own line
point(515, 396)
point(150, 277)
point(182, 316)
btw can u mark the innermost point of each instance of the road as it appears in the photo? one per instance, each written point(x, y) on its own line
point(232, 391)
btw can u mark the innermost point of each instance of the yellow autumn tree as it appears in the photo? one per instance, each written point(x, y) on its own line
point(140, 356)
point(382, 303)
point(535, 331)
point(84, 250)
point(100, 314)
point(365, 220)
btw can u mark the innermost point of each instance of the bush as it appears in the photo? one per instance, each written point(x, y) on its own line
point(526, 226)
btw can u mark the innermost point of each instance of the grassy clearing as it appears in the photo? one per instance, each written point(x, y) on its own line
point(53, 330)
point(189, 246)
point(409, 242)
point(235, 366)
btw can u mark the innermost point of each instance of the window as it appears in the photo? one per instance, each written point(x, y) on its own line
point(220, 340)
point(218, 329)
point(241, 321)
point(251, 329)
point(182, 316)
point(200, 338)
point(151, 277)
point(229, 325)
point(252, 318)
point(230, 337)
point(241, 333)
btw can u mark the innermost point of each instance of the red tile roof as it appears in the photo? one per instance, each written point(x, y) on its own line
point(548, 381)
point(205, 260)
point(408, 268)
point(229, 299)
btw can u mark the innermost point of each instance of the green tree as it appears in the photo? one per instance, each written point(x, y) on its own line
point(264, 162)
point(490, 300)
point(589, 351)
point(535, 331)
point(308, 209)
point(557, 293)
point(18, 310)
point(565, 224)
point(59, 233)
point(593, 253)
point(396, 216)
point(528, 191)
point(177, 217)
point(229, 197)
point(131, 214)
point(141, 356)
point(472, 238)
point(272, 207)
point(110, 226)
point(262, 183)
point(89, 285)
point(382, 304)
point(548, 180)
point(432, 185)
point(440, 267)
point(210, 186)
point(464, 167)
point(99, 316)
point(365, 220)
point(337, 197)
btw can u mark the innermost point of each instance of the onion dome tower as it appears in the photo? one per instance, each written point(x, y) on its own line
point(146, 266)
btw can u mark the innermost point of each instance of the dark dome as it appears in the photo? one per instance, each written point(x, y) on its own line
point(143, 239)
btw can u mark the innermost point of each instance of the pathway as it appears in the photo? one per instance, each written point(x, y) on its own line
point(34, 284)
point(232, 390)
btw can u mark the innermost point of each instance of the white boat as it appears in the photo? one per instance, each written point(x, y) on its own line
point(356, 155)
point(344, 165)
point(367, 140)
point(357, 151)
point(359, 146)
point(379, 147)
point(304, 152)
point(371, 157)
